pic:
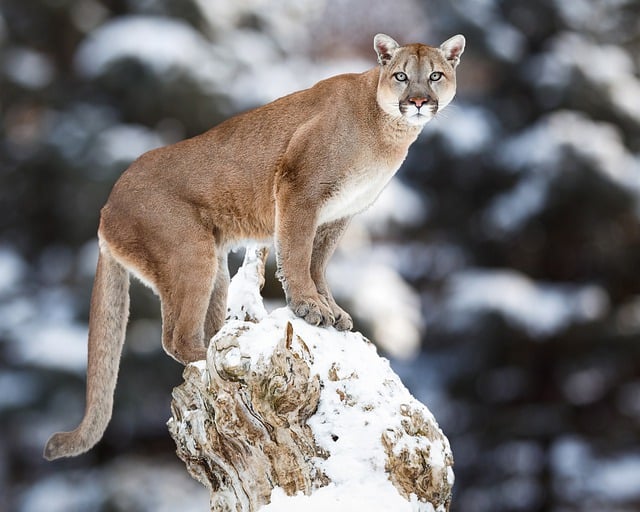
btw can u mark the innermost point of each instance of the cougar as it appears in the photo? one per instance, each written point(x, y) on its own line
point(295, 170)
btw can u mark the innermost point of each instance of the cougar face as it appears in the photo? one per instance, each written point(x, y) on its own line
point(417, 81)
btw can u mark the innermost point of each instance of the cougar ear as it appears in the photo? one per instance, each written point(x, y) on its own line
point(385, 47)
point(453, 48)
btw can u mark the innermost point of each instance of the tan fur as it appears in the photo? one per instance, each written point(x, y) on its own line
point(296, 169)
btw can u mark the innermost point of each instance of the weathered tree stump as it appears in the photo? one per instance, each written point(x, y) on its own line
point(283, 412)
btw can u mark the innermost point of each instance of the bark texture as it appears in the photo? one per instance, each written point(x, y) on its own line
point(281, 404)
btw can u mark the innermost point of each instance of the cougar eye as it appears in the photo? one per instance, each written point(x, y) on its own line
point(435, 76)
point(400, 76)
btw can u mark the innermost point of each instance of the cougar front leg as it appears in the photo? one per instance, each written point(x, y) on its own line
point(324, 245)
point(295, 231)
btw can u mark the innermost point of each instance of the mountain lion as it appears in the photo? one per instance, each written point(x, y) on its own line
point(296, 169)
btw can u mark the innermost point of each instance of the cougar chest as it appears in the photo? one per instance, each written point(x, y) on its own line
point(356, 193)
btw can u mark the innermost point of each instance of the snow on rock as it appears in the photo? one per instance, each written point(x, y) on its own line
point(309, 416)
point(244, 301)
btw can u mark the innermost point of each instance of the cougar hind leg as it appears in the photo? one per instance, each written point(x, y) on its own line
point(217, 311)
point(191, 272)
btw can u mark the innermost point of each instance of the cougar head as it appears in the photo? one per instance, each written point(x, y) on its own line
point(416, 81)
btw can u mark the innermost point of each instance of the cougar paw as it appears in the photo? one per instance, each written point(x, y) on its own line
point(343, 320)
point(314, 310)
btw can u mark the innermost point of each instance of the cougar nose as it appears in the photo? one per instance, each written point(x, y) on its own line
point(418, 101)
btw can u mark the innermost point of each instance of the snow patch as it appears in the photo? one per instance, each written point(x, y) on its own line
point(397, 204)
point(465, 129)
point(542, 309)
point(123, 143)
point(616, 82)
point(12, 270)
point(165, 45)
point(538, 152)
point(584, 473)
point(28, 68)
point(374, 495)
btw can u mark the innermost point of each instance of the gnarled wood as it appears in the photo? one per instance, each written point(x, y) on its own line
point(281, 404)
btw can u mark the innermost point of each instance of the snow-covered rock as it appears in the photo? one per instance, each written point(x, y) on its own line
point(287, 416)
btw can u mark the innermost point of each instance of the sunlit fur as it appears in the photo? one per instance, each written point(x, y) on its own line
point(295, 170)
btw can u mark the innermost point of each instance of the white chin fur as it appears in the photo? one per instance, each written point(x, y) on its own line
point(419, 119)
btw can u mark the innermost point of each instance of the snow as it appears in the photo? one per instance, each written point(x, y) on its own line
point(616, 82)
point(371, 496)
point(59, 493)
point(542, 309)
point(361, 399)
point(540, 147)
point(379, 296)
point(364, 277)
point(465, 129)
point(585, 386)
point(508, 212)
point(506, 41)
point(278, 78)
point(42, 330)
point(417, 260)
point(12, 270)
point(351, 434)
point(19, 389)
point(537, 153)
point(397, 204)
point(123, 143)
point(369, 285)
point(61, 345)
point(576, 12)
point(584, 473)
point(128, 483)
point(502, 38)
point(28, 68)
point(165, 45)
point(244, 58)
point(243, 298)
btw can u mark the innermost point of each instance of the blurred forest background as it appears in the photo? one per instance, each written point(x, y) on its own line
point(499, 271)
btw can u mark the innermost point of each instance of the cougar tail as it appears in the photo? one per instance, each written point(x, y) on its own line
point(107, 324)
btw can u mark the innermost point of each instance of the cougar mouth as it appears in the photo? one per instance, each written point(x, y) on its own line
point(418, 115)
